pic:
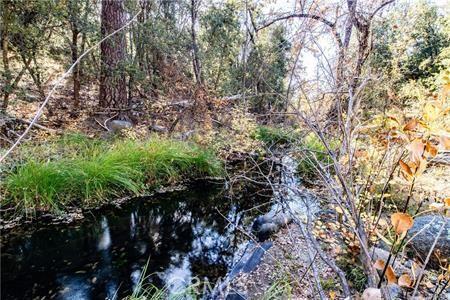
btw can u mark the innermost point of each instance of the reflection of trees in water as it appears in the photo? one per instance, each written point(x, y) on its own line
point(182, 233)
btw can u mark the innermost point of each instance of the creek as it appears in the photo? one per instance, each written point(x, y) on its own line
point(181, 235)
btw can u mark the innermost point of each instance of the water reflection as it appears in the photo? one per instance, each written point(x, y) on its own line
point(180, 235)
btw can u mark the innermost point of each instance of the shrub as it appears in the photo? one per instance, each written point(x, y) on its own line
point(274, 135)
point(313, 151)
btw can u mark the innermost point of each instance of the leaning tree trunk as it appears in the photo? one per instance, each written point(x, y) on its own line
point(113, 85)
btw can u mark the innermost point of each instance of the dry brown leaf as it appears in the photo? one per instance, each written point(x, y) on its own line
point(390, 275)
point(445, 142)
point(360, 153)
point(379, 264)
point(411, 125)
point(447, 203)
point(421, 168)
point(416, 149)
point(404, 280)
point(402, 222)
point(431, 112)
point(393, 118)
point(405, 168)
point(431, 149)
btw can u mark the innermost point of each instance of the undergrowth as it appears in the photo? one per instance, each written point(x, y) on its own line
point(78, 170)
point(274, 135)
point(313, 152)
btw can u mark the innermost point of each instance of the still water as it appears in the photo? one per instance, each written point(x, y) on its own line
point(180, 235)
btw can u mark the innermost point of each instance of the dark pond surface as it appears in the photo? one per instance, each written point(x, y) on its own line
point(180, 234)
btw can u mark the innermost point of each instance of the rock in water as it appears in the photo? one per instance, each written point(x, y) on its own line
point(429, 226)
point(118, 125)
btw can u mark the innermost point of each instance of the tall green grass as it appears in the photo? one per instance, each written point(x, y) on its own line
point(313, 152)
point(78, 170)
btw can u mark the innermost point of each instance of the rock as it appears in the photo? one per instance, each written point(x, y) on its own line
point(266, 225)
point(118, 125)
point(250, 259)
point(394, 291)
point(158, 128)
point(371, 294)
point(32, 98)
point(235, 296)
point(429, 226)
point(400, 267)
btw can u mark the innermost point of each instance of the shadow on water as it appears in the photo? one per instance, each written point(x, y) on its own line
point(181, 234)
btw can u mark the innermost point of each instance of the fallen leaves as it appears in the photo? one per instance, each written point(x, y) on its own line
point(416, 149)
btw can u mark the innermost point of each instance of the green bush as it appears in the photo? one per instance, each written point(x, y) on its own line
point(79, 170)
point(274, 135)
point(313, 151)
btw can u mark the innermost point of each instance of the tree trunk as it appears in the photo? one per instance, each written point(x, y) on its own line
point(113, 85)
point(6, 90)
point(195, 51)
point(76, 71)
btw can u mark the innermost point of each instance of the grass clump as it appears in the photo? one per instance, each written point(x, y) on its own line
point(280, 289)
point(313, 152)
point(274, 135)
point(78, 170)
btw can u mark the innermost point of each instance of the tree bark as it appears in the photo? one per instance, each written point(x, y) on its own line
point(74, 11)
point(195, 51)
point(6, 90)
point(113, 85)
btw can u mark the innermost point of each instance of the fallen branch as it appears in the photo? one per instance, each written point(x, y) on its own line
point(36, 125)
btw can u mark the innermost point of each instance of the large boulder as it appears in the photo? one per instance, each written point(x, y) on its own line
point(427, 228)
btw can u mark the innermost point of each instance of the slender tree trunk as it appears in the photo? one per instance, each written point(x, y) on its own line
point(113, 85)
point(76, 71)
point(6, 90)
point(195, 50)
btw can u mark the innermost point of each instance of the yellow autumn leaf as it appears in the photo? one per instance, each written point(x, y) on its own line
point(431, 112)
